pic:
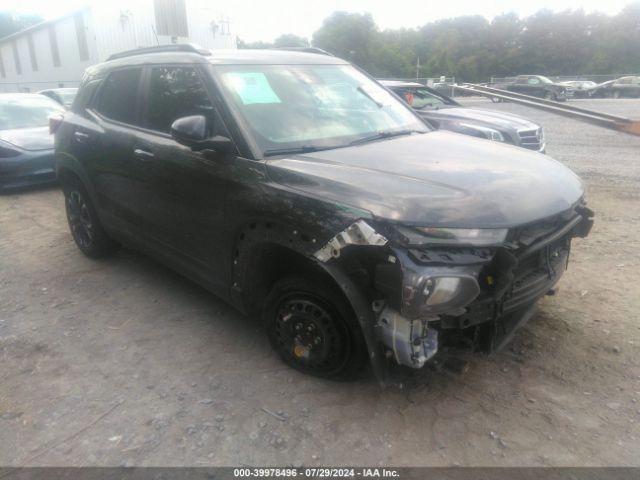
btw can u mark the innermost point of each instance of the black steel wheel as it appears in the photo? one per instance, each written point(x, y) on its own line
point(79, 219)
point(84, 224)
point(313, 330)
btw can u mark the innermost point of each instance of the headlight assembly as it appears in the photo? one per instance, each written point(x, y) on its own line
point(482, 132)
point(476, 237)
point(433, 295)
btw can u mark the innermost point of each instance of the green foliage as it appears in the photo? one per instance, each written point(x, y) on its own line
point(286, 40)
point(471, 48)
point(11, 22)
point(290, 40)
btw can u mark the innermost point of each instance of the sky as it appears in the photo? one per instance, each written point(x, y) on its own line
point(265, 20)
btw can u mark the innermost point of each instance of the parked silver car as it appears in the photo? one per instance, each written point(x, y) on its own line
point(445, 113)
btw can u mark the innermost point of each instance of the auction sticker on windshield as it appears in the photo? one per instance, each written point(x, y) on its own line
point(252, 87)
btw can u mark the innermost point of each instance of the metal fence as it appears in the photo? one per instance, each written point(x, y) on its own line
point(12, 87)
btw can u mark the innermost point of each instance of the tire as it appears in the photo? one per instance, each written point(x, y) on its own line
point(84, 224)
point(314, 330)
point(550, 96)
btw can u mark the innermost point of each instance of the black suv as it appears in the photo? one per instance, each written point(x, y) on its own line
point(297, 188)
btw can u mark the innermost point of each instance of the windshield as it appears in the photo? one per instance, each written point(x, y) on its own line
point(420, 98)
point(25, 112)
point(312, 106)
point(544, 79)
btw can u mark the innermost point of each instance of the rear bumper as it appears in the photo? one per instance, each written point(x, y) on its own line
point(27, 169)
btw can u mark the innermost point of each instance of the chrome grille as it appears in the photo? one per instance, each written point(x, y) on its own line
point(532, 139)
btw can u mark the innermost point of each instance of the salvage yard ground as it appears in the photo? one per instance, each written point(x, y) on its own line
point(122, 362)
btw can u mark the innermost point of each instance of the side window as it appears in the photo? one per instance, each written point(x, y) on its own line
point(85, 94)
point(533, 81)
point(175, 92)
point(118, 96)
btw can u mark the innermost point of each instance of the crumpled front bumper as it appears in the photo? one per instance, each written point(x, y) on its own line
point(497, 292)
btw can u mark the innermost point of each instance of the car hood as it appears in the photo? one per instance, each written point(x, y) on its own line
point(439, 179)
point(37, 138)
point(485, 117)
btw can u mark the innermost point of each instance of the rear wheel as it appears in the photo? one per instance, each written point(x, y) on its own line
point(313, 329)
point(84, 224)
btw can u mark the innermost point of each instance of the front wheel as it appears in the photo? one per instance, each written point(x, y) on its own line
point(313, 329)
point(84, 224)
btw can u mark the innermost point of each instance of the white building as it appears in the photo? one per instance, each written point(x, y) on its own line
point(55, 53)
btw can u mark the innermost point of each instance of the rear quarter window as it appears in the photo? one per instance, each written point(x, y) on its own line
point(118, 96)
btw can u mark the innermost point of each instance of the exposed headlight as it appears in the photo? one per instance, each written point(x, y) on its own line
point(483, 132)
point(477, 237)
point(434, 295)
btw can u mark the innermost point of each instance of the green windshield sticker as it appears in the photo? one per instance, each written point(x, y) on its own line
point(252, 87)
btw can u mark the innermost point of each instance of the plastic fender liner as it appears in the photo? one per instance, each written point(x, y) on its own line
point(366, 318)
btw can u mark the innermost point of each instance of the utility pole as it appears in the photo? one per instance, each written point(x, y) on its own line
point(418, 69)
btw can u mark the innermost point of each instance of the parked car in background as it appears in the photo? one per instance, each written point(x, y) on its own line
point(64, 96)
point(301, 191)
point(581, 88)
point(445, 113)
point(624, 87)
point(26, 147)
point(537, 86)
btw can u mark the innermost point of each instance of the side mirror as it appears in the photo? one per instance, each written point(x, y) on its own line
point(192, 131)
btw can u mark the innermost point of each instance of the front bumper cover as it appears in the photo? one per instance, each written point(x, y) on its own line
point(501, 288)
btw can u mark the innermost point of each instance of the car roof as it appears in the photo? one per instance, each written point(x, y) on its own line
point(61, 89)
point(399, 83)
point(219, 57)
point(20, 96)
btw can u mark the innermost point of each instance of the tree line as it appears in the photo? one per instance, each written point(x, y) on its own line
point(472, 48)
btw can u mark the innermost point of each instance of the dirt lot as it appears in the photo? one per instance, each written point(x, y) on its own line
point(122, 362)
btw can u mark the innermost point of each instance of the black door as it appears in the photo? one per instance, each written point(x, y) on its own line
point(182, 191)
point(115, 113)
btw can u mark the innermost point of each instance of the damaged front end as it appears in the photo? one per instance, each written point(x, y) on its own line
point(428, 287)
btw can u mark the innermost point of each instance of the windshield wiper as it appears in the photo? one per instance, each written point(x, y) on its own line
point(384, 134)
point(291, 150)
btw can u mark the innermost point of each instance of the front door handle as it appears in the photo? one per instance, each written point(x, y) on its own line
point(80, 136)
point(143, 154)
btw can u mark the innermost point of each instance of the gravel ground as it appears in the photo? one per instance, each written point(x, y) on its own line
point(122, 362)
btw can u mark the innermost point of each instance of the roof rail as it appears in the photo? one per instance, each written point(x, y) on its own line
point(178, 47)
point(307, 50)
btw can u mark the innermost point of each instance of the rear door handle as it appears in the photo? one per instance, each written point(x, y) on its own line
point(143, 154)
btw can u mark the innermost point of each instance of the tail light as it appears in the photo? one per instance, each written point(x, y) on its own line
point(54, 122)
